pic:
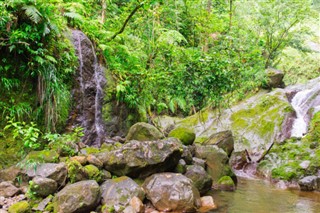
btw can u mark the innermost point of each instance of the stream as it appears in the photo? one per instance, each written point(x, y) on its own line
point(260, 196)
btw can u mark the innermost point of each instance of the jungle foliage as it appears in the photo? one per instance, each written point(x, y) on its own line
point(173, 56)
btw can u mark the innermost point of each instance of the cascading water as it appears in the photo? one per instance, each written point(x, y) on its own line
point(88, 93)
point(305, 103)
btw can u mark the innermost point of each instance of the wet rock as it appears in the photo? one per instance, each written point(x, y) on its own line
point(20, 207)
point(207, 204)
point(141, 159)
point(226, 183)
point(43, 186)
point(171, 192)
point(275, 78)
point(143, 132)
point(309, 183)
point(54, 171)
point(185, 135)
point(200, 178)
point(223, 140)
point(216, 161)
point(117, 193)
point(83, 196)
point(7, 189)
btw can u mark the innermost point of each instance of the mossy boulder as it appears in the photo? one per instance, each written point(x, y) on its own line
point(44, 156)
point(274, 78)
point(83, 196)
point(143, 158)
point(118, 192)
point(143, 132)
point(42, 187)
point(76, 171)
point(185, 135)
point(226, 183)
point(20, 207)
point(93, 173)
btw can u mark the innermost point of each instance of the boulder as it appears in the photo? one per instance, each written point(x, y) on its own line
point(207, 204)
point(43, 187)
point(83, 196)
point(10, 174)
point(143, 132)
point(200, 178)
point(76, 171)
point(181, 167)
point(44, 156)
point(309, 183)
point(199, 162)
point(7, 189)
point(54, 171)
point(81, 159)
point(141, 159)
point(19, 207)
point(223, 140)
point(216, 161)
point(185, 135)
point(238, 160)
point(172, 192)
point(137, 205)
point(94, 161)
point(226, 183)
point(93, 173)
point(117, 193)
point(275, 78)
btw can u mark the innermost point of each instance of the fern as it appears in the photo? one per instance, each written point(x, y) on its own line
point(73, 15)
point(32, 12)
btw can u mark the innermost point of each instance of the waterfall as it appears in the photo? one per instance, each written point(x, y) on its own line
point(306, 102)
point(88, 92)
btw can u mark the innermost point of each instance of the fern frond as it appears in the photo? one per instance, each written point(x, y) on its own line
point(73, 15)
point(33, 13)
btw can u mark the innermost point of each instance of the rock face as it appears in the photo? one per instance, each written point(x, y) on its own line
point(7, 189)
point(172, 192)
point(201, 180)
point(43, 186)
point(143, 132)
point(310, 183)
point(54, 171)
point(185, 135)
point(141, 159)
point(88, 93)
point(117, 193)
point(80, 197)
point(223, 140)
point(275, 78)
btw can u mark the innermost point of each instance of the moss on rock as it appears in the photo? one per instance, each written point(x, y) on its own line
point(185, 135)
point(93, 173)
point(20, 207)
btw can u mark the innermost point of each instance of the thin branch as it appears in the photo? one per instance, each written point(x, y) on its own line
point(126, 22)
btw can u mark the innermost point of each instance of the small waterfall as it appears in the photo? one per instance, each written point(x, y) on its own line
point(306, 102)
point(88, 93)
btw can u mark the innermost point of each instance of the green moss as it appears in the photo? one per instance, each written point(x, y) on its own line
point(20, 207)
point(75, 169)
point(185, 135)
point(227, 180)
point(90, 150)
point(93, 173)
point(47, 156)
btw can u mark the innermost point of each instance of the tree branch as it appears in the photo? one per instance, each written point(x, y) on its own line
point(126, 22)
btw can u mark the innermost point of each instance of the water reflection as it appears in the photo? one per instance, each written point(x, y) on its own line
point(258, 196)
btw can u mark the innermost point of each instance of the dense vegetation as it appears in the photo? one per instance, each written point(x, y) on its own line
point(173, 56)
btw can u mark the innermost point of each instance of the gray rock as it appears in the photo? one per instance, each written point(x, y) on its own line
point(309, 183)
point(43, 186)
point(199, 162)
point(80, 197)
point(54, 171)
point(42, 205)
point(7, 189)
point(141, 159)
point(172, 192)
point(223, 140)
point(117, 193)
point(200, 178)
point(94, 161)
point(143, 132)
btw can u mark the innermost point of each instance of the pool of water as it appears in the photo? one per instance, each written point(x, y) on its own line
point(260, 196)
